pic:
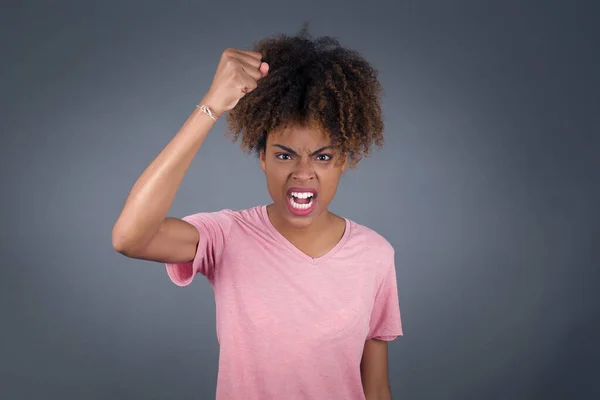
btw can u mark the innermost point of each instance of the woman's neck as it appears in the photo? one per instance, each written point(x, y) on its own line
point(318, 226)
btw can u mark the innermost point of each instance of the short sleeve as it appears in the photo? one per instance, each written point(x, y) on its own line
point(385, 321)
point(213, 228)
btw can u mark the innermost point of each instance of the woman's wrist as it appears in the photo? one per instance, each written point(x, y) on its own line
point(209, 106)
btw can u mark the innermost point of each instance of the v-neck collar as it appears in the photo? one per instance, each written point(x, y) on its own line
point(282, 239)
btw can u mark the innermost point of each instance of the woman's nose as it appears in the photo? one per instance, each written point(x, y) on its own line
point(303, 171)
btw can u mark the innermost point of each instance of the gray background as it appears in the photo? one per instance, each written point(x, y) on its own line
point(487, 189)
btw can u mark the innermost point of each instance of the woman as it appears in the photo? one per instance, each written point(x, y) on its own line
point(306, 300)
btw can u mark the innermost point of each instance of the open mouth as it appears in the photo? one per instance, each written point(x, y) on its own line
point(301, 201)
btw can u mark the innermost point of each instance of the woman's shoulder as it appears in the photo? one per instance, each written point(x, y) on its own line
point(227, 217)
point(369, 236)
point(233, 213)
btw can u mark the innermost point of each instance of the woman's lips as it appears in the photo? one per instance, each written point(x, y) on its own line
point(301, 201)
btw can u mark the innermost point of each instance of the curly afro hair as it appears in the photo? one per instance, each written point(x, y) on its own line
point(312, 81)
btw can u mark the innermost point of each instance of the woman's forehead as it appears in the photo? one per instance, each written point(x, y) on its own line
point(300, 136)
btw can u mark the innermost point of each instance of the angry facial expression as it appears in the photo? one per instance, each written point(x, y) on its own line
point(303, 171)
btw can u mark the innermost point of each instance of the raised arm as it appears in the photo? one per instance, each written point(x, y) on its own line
point(143, 229)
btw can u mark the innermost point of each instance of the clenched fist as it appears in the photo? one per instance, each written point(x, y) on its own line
point(238, 73)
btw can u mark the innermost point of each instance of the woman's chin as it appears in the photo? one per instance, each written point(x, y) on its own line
point(295, 218)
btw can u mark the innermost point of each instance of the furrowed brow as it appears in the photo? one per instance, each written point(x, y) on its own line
point(314, 153)
point(322, 149)
point(284, 148)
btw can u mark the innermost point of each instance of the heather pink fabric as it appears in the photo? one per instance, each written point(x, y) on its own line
point(290, 326)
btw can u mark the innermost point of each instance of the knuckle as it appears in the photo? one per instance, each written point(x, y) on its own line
point(232, 63)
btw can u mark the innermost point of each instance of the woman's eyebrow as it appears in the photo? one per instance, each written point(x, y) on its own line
point(314, 153)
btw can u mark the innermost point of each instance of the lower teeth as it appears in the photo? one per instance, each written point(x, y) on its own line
point(301, 206)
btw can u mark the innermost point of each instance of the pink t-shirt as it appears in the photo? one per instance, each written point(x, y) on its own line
point(290, 326)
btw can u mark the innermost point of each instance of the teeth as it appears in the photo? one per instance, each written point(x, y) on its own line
point(301, 206)
point(302, 195)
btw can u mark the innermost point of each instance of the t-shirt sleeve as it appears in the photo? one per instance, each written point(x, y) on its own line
point(213, 228)
point(385, 321)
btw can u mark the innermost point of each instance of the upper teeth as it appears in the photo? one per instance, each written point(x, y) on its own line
point(302, 195)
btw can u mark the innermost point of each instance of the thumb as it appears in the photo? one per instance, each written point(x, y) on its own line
point(264, 69)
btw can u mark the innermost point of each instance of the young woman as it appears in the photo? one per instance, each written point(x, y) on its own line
point(306, 300)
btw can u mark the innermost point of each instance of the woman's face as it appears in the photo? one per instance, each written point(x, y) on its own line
point(303, 171)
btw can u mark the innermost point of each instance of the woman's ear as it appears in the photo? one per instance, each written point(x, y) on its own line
point(262, 157)
point(344, 163)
